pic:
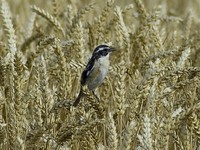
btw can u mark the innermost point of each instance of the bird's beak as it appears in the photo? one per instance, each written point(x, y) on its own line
point(112, 49)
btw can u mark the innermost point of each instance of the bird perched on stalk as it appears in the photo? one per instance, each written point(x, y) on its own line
point(95, 71)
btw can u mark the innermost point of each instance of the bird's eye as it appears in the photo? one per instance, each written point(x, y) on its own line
point(102, 53)
point(105, 53)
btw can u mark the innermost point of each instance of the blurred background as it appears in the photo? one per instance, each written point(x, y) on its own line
point(171, 8)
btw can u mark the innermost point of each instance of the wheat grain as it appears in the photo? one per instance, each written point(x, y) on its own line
point(50, 18)
point(112, 134)
point(149, 100)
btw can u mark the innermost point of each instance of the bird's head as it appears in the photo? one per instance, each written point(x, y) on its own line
point(102, 51)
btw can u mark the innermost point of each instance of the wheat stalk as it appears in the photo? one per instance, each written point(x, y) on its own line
point(48, 17)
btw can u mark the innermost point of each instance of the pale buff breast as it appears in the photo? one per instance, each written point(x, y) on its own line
point(99, 73)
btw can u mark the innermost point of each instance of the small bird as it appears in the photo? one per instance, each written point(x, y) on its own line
point(95, 71)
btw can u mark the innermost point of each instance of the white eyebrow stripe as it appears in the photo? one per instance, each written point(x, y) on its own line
point(102, 48)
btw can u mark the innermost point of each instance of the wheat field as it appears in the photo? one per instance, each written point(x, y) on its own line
point(150, 99)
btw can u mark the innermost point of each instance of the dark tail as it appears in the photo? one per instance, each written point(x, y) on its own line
point(78, 99)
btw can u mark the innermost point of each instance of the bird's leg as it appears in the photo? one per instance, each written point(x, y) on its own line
point(95, 95)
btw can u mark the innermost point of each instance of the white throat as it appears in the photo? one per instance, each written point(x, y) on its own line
point(104, 61)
